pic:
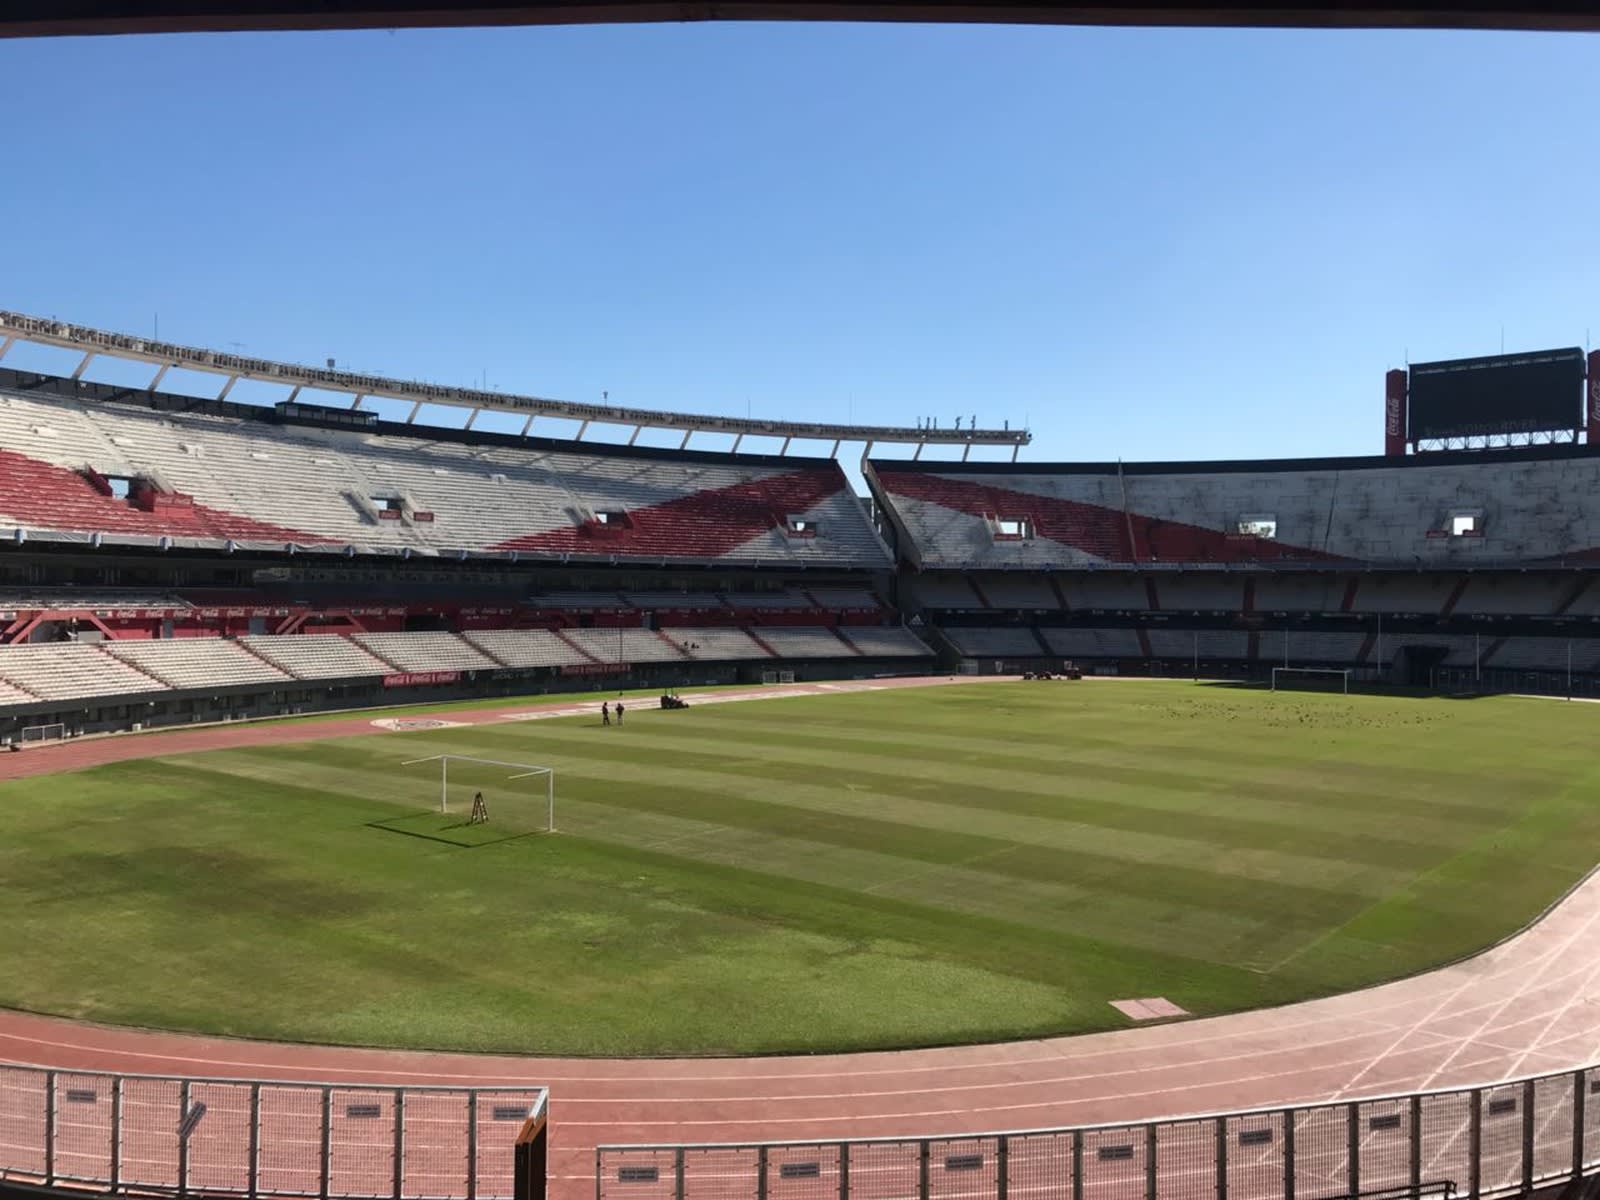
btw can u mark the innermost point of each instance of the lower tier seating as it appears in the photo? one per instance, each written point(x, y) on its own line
point(72, 671)
point(197, 662)
point(317, 656)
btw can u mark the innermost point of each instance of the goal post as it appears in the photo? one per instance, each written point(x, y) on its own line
point(31, 734)
point(1338, 677)
point(520, 796)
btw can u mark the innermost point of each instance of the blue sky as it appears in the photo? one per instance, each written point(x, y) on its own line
point(1143, 244)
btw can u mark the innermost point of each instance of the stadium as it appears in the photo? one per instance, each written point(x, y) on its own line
point(181, 560)
point(557, 799)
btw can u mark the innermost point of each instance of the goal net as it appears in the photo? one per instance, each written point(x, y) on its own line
point(30, 734)
point(443, 789)
point(1320, 679)
point(777, 677)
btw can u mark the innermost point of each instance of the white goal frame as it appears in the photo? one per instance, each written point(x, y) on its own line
point(42, 733)
point(524, 771)
point(1344, 674)
point(777, 677)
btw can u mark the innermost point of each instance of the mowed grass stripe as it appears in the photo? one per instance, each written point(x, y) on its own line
point(1223, 809)
point(1375, 738)
point(730, 828)
point(659, 779)
point(1326, 786)
point(876, 869)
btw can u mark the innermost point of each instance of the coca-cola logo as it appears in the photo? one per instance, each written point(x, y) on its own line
point(1392, 411)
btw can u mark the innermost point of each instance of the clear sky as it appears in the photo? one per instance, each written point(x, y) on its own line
point(1143, 244)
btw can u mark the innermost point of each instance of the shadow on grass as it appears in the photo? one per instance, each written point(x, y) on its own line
point(428, 828)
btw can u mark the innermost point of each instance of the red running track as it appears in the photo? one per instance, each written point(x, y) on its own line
point(1530, 1004)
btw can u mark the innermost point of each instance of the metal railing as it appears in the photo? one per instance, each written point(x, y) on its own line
point(164, 1135)
point(1493, 1141)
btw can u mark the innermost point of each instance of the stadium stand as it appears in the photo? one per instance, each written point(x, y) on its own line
point(424, 651)
point(947, 590)
point(10, 693)
point(1545, 654)
point(197, 662)
point(1275, 592)
point(802, 641)
point(1117, 591)
point(316, 656)
point(206, 479)
point(527, 647)
point(716, 645)
point(624, 645)
point(1017, 592)
point(883, 641)
point(995, 643)
point(1515, 595)
point(1355, 510)
point(1301, 647)
point(1206, 643)
point(1192, 592)
point(677, 600)
point(72, 671)
point(836, 599)
point(1093, 643)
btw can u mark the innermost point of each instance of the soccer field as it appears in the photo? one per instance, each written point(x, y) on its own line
point(884, 868)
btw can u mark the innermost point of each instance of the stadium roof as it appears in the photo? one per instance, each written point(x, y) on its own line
point(20, 18)
point(165, 356)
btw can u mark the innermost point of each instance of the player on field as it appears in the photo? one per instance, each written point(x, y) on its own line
point(619, 712)
point(605, 713)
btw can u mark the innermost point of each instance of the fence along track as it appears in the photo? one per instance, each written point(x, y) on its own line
point(102, 1132)
point(1483, 1142)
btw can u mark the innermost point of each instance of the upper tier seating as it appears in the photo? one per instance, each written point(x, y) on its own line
point(947, 590)
point(69, 670)
point(266, 485)
point(425, 651)
point(1518, 594)
point(1018, 591)
point(1528, 508)
point(317, 656)
point(1405, 593)
point(197, 662)
point(1299, 593)
point(835, 599)
point(887, 641)
point(1192, 592)
point(995, 643)
point(580, 600)
point(1110, 590)
point(66, 598)
point(765, 600)
point(679, 600)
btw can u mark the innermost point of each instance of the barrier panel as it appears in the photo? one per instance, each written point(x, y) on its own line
point(161, 1135)
point(1482, 1143)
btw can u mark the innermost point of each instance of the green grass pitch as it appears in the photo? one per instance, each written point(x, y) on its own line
point(883, 868)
